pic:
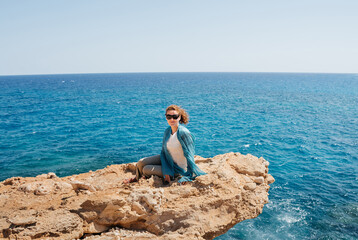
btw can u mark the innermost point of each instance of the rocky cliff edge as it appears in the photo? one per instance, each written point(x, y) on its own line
point(97, 205)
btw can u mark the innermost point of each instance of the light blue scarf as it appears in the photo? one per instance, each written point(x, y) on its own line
point(169, 167)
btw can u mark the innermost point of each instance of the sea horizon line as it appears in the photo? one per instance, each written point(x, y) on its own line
point(169, 72)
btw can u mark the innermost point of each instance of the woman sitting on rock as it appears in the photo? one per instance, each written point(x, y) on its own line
point(177, 155)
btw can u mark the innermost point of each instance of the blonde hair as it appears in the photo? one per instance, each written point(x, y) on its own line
point(184, 116)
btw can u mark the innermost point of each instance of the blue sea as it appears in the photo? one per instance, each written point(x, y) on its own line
point(305, 125)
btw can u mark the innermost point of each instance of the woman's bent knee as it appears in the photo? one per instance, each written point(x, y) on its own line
point(140, 163)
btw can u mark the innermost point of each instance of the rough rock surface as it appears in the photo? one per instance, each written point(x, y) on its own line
point(97, 205)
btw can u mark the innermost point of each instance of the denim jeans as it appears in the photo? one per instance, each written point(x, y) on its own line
point(149, 166)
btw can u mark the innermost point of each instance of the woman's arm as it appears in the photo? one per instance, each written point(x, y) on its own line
point(188, 142)
point(167, 167)
point(167, 164)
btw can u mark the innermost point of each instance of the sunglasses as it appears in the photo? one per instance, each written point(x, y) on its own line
point(168, 116)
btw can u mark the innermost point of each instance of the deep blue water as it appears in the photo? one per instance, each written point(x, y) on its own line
point(305, 125)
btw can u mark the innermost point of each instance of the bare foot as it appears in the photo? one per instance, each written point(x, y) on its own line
point(130, 180)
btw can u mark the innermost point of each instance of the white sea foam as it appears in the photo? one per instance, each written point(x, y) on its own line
point(289, 218)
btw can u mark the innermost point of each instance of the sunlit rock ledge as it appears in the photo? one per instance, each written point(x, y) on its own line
point(97, 205)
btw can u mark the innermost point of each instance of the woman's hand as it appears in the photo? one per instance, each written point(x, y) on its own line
point(167, 178)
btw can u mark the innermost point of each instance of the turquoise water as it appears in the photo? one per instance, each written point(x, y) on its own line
point(305, 125)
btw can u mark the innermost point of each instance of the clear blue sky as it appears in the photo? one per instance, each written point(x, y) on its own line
point(105, 36)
